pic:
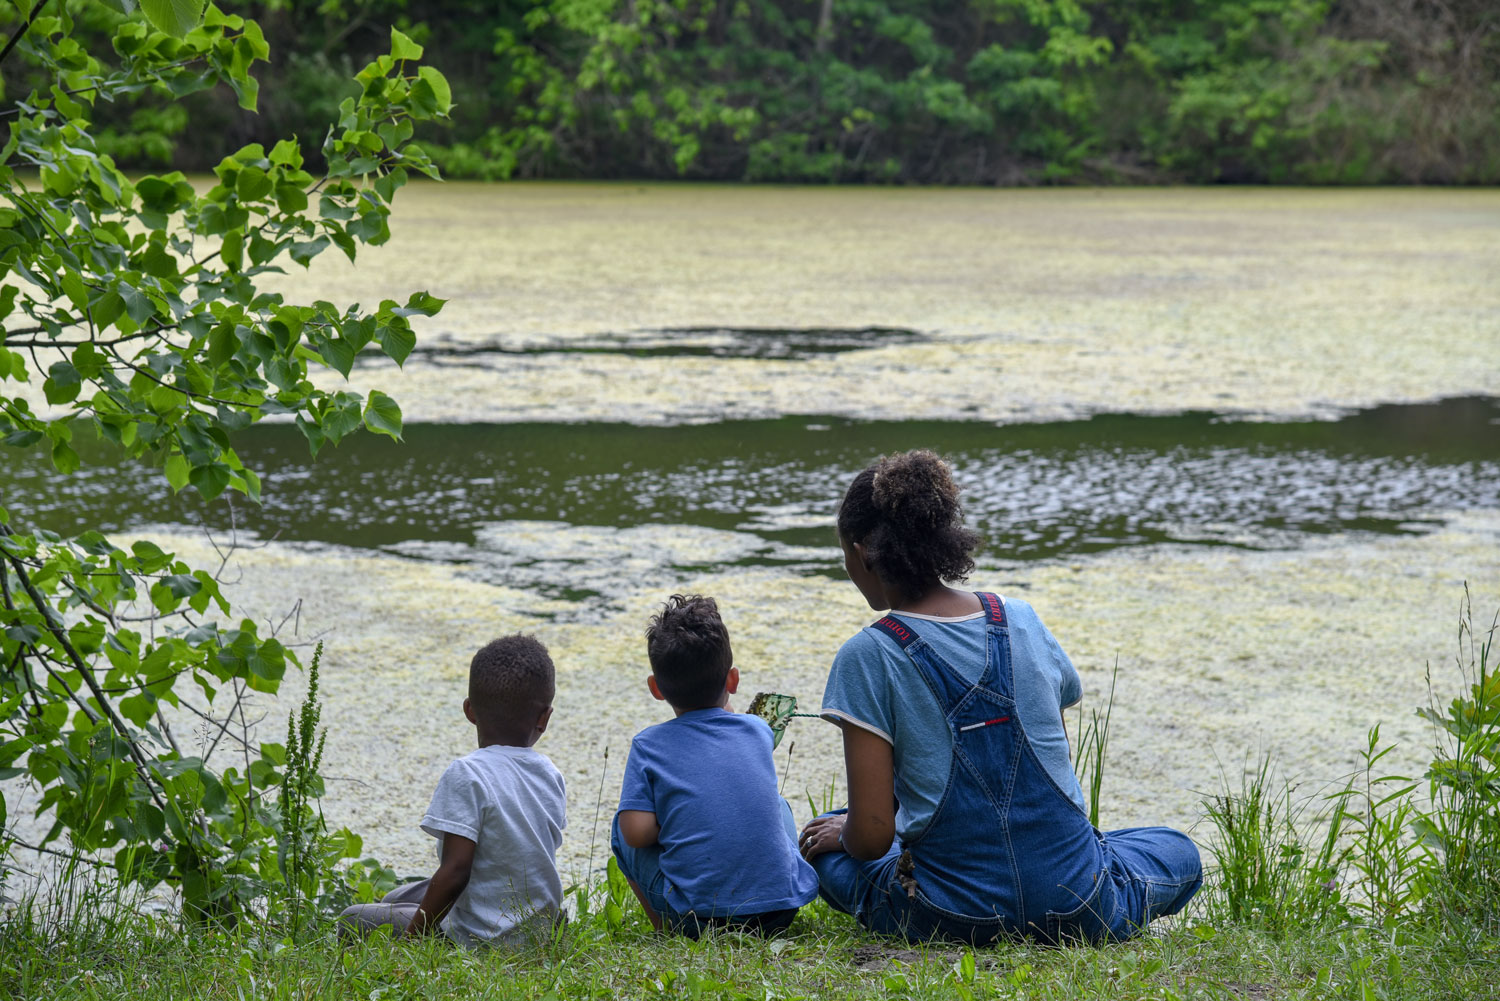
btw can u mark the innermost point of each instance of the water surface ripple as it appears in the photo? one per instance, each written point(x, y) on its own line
point(1041, 491)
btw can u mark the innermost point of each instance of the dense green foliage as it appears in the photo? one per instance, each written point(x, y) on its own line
point(910, 91)
point(132, 313)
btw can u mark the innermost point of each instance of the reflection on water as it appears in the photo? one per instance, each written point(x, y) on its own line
point(765, 491)
point(761, 343)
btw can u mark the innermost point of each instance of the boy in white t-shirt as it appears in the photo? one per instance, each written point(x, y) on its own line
point(498, 814)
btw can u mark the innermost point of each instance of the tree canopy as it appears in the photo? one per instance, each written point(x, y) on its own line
point(895, 91)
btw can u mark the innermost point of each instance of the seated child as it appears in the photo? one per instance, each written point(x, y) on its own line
point(702, 834)
point(498, 814)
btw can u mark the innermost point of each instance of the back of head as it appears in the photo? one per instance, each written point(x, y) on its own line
point(511, 682)
point(689, 651)
point(904, 510)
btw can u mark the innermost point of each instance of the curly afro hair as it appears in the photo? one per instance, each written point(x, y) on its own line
point(904, 510)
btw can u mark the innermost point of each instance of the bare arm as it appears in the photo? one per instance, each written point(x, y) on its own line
point(446, 884)
point(639, 828)
point(867, 830)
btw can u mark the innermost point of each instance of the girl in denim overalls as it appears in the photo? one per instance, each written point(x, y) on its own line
point(965, 819)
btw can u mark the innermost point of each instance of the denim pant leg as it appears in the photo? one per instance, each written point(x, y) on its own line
point(642, 866)
point(1163, 870)
point(863, 888)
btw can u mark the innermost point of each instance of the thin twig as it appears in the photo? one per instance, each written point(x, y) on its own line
point(105, 706)
point(589, 872)
point(153, 332)
point(788, 769)
point(20, 32)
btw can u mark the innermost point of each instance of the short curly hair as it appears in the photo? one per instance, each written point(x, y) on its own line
point(904, 510)
point(688, 647)
point(511, 680)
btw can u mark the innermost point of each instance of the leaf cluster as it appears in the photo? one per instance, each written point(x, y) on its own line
point(134, 307)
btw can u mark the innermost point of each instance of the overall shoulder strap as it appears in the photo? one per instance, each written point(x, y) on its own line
point(994, 608)
point(897, 630)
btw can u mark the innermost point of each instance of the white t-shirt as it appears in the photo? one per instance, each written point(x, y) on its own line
point(511, 803)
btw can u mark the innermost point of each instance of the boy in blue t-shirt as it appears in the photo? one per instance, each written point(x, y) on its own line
point(701, 833)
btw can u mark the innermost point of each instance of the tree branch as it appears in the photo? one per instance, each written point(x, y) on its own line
point(105, 706)
point(153, 332)
point(30, 19)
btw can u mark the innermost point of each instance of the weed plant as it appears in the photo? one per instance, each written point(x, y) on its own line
point(1462, 828)
point(1273, 871)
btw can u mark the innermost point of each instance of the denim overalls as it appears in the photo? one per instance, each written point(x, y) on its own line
point(1007, 853)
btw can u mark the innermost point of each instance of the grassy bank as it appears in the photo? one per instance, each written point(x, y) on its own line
point(824, 956)
point(1376, 887)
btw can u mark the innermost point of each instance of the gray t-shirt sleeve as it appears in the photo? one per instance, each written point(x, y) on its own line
point(457, 805)
point(1070, 685)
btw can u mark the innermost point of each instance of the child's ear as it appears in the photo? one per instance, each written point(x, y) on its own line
point(469, 712)
point(655, 692)
point(543, 720)
point(732, 680)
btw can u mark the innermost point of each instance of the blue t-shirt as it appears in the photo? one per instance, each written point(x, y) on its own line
point(727, 850)
point(874, 685)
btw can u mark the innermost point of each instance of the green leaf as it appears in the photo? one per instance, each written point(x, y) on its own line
point(233, 249)
point(223, 342)
point(304, 252)
point(253, 184)
point(175, 17)
point(403, 47)
point(421, 304)
point(291, 199)
point(338, 353)
point(210, 480)
point(106, 309)
point(442, 93)
point(76, 291)
point(64, 459)
point(165, 399)
point(137, 305)
point(62, 383)
point(177, 470)
point(382, 415)
point(286, 153)
point(397, 342)
point(316, 439)
point(137, 708)
point(182, 585)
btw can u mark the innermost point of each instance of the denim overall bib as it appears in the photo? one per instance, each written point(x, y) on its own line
point(1006, 853)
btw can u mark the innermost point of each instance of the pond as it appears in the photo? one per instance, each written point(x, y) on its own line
point(1245, 445)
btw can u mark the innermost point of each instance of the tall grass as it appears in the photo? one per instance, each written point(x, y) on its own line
point(1462, 827)
point(1093, 745)
point(1379, 851)
point(1274, 872)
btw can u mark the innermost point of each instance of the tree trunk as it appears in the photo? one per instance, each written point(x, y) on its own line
point(825, 26)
